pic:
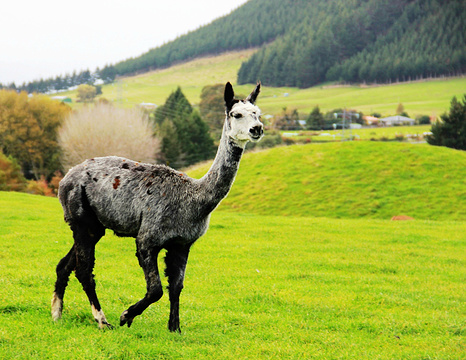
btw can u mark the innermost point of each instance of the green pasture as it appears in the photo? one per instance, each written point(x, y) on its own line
point(418, 98)
point(413, 133)
point(257, 287)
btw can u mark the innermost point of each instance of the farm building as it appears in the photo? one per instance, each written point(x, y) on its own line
point(149, 106)
point(371, 120)
point(396, 120)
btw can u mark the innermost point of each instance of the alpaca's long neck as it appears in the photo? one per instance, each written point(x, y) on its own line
point(216, 184)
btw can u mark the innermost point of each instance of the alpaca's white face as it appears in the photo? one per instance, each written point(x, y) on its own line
point(245, 124)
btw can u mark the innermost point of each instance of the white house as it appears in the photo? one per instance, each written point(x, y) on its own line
point(396, 120)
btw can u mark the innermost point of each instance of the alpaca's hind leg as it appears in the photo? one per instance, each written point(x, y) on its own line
point(64, 269)
point(85, 240)
point(175, 260)
point(148, 260)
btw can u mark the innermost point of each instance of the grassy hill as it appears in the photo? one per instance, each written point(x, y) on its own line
point(351, 180)
point(426, 97)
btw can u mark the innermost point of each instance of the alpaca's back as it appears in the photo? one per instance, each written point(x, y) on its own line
point(126, 195)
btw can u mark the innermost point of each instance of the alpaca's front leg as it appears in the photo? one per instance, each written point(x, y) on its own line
point(176, 259)
point(148, 261)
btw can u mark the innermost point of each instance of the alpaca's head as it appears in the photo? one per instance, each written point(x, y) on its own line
point(243, 117)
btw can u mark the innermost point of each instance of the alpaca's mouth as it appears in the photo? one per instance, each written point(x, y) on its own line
point(256, 137)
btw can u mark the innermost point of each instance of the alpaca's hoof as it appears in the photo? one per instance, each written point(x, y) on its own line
point(174, 327)
point(124, 319)
point(57, 307)
point(105, 325)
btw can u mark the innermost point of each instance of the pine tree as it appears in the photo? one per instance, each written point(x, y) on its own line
point(451, 131)
point(185, 136)
point(315, 120)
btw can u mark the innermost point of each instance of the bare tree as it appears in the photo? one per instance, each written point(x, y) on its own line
point(106, 130)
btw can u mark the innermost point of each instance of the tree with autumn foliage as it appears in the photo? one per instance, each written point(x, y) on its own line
point(28, 131)
point(11, 177)
point(86, 93)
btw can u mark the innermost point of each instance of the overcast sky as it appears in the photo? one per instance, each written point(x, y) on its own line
point(42, 39)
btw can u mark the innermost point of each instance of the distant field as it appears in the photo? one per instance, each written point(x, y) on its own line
point(408, 133)
point(427, 98)
point(257, 287)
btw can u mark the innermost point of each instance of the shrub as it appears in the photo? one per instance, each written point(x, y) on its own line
point(86, 93)
point(106, 130)
point(39, 187)
point(11, 177)
point(54, 183)
point(423, 120)
point(271, 139)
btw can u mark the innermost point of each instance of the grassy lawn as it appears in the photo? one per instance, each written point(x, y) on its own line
point(257, 287)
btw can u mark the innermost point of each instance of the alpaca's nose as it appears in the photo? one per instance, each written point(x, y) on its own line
point(256, 131)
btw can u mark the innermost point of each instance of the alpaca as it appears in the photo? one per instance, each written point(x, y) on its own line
point(160, 207)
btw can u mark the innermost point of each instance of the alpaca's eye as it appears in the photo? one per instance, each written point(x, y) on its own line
point(238, 116)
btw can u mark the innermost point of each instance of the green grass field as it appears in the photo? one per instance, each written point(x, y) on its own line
point(257, 287)
point(426, 98)
point(301, 261)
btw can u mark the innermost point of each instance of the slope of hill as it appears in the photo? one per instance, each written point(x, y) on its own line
point(308, 42)
point(251, 25)
point(426, 98)
point(351, 180)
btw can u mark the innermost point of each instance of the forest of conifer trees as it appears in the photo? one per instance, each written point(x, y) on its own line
point(376, 41)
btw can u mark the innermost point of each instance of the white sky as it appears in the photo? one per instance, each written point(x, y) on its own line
point(43, 39)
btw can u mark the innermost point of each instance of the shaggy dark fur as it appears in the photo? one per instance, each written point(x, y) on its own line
point(159, 206)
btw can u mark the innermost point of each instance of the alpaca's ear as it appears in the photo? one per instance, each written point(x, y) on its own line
point(229, 95)
point(253, 96)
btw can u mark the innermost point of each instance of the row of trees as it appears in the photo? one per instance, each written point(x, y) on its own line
point(58, 83)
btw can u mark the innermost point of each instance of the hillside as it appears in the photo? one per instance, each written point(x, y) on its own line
point(427, 97)
point(351, 180)
point(365, 41)
point(307, 42)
